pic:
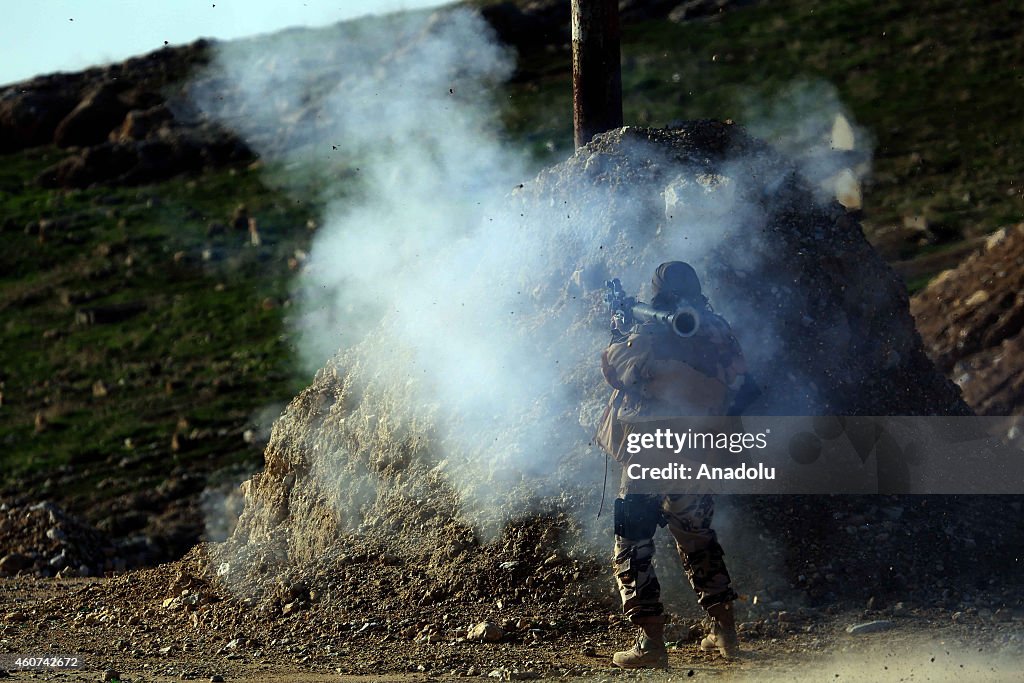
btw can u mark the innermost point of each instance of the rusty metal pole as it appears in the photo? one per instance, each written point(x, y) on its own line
point(596, 71)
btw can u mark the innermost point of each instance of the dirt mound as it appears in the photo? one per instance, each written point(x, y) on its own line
point(972, 321)
point(362, 454)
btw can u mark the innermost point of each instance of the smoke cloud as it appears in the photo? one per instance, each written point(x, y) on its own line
point(465, 312)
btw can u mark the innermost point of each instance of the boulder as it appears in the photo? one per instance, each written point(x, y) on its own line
point(972, 320)
point(29, 117)
point(168, 151)
point(101, 163)
point(140, 124)
point(92, 120)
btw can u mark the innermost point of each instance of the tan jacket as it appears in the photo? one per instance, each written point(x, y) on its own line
point(657, 376)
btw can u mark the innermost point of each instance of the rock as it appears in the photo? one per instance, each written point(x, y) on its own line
point(58, 561)
point(109, 314)
point(487, 632)
point(971, 319)
point(240, 218)
point(15, 617)
point(1002, 614)
point(216, 678)
point(13, 563)
point(91, 121)
point(29, 116)
point(869, 627)
point(111, 675)
point(90, 166)
point(140, 124)
point(174, 150)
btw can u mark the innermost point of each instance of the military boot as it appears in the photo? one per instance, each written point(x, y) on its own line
point(648, 652)
point(723, 631)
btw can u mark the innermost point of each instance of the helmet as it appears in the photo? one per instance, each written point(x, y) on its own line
point(675, 281)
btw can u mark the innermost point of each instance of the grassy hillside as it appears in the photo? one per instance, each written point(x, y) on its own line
point(90, 411)
point(205, 352)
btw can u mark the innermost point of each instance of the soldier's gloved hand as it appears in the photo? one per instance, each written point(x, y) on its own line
point(618, 322)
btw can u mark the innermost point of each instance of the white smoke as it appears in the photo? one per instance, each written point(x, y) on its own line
point(808, 122)
point(483, 319)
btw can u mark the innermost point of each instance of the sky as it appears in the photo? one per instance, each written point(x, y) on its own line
point(43, 36)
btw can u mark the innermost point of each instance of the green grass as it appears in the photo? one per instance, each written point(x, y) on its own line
point(205, 349)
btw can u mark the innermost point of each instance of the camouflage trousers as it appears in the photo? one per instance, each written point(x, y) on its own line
point(688, 518)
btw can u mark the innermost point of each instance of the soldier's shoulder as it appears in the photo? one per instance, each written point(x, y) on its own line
point(714, 321)
point(716, 327)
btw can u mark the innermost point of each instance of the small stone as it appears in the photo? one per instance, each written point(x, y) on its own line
point(486, 631)
point(216, 678)
point(869, 627)
point(111, 675)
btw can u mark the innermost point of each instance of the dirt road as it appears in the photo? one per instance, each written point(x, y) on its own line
point(136, 634)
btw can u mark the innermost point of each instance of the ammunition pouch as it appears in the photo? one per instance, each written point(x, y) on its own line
point(637, 516)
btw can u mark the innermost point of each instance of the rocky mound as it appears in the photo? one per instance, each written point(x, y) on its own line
point(43, 540)
point(972, 321)
point(366, 456)
point(126, 123)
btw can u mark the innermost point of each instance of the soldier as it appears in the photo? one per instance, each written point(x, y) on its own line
point(656, 373)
